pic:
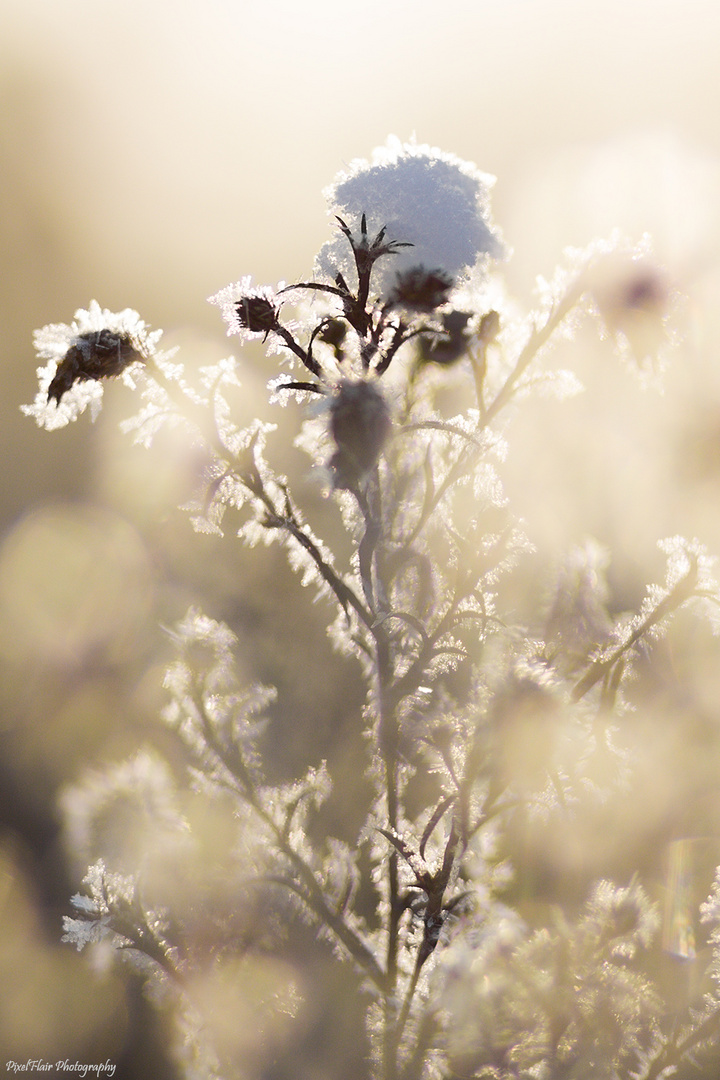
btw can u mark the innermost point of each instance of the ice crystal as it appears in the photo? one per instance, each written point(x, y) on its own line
point(104, 890)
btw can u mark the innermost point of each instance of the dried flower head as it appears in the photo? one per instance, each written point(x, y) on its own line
point(249, 311)
point(97, 354)
point(98, 344)
point(420, 289)
point(359, 424)
point(633, 297)
point(449, 346)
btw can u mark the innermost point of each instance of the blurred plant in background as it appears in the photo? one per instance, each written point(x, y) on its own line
point(476, 930)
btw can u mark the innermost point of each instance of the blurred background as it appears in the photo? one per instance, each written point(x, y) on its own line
point(150, 153)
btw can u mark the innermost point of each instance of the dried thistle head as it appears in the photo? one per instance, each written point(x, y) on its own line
point(634, 298)
point(97, 354)
point(359, 425)
point(98, 344)
point(256, 313)
point(421, 290)
point(249, 310)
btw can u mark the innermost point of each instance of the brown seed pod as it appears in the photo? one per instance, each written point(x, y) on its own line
point(359, 424)
point(98, 354)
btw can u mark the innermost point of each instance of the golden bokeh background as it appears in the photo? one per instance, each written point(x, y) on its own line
point(150, 153)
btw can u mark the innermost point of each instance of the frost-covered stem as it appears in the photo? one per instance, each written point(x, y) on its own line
point(251, 479)
point(287, 520)
point(427, 1033)
point(407, 1003)
point(424, 952)
point(370, 505)
point(400, 336)
point(390, 1036)
point(457, 470)
point(388, 735)
point(311, 892)
point(672, 1054)
point(539, 337)
point(142, 939)
point(682, 591)
point(308, 360)
point(435, 886)
point(191, 411)
point(313, 896)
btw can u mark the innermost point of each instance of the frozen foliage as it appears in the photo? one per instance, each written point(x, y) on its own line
point(560, 1001)
point(482, 938)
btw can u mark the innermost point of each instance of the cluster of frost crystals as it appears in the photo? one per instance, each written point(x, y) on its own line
point(206, 706)
point(53, 343)
point(710, 908)
point(103, 890)
point(688, 561)
point(113, 921)
point(421, 196)
point(559, 1001)
point(126, 812)
point(710, 914)
point(688, 578)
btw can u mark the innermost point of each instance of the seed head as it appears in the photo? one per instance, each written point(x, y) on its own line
point(247, 309)
point(256, 313)
point(420, 289)
point(99, 344)
point(98, 354)
point(360, 425)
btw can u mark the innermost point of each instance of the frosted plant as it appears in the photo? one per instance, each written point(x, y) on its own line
point(488, 736)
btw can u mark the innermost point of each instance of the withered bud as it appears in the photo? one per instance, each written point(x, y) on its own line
point(420, 289)
point(450, 346)
point(633, 297)
point(97, 354)
point(333, 333)
point(257, 314)
point(359, 424)
point(489, 328)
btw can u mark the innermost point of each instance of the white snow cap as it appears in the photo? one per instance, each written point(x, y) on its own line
point(421, 195)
